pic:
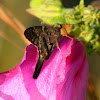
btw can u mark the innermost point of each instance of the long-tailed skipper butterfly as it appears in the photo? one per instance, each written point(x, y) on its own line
point(45, 38)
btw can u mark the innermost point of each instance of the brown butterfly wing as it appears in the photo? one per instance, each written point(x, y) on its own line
point(45, 38)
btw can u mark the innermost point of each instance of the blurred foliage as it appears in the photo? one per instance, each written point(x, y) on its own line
point(49, 11)
point(10, 55)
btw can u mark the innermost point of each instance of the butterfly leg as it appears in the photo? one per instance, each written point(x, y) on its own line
point(58, 46)
point(68, 36)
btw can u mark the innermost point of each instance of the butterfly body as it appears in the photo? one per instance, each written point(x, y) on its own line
point(45, 38)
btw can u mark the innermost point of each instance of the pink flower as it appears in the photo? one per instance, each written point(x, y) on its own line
point(64, 76)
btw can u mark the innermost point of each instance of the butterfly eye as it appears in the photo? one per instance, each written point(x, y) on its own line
point(58, 26)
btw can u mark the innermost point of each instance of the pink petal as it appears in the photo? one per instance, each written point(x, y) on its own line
point(59, 72)
point(63, 75)
point(16, 83)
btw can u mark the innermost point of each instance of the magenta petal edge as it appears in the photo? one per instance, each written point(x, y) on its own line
point(64, 76)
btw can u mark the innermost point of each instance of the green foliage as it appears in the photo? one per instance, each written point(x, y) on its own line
point(37, 3)
point(49, 11)
point(86, 26)
point(85, 20)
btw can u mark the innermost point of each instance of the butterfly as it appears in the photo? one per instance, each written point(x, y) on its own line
point(45, 38)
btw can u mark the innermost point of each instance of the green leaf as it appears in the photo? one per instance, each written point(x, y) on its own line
point(49, 11)
point(37, 3)
point(58, 19)
point(46, 13)
point(81, 5)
